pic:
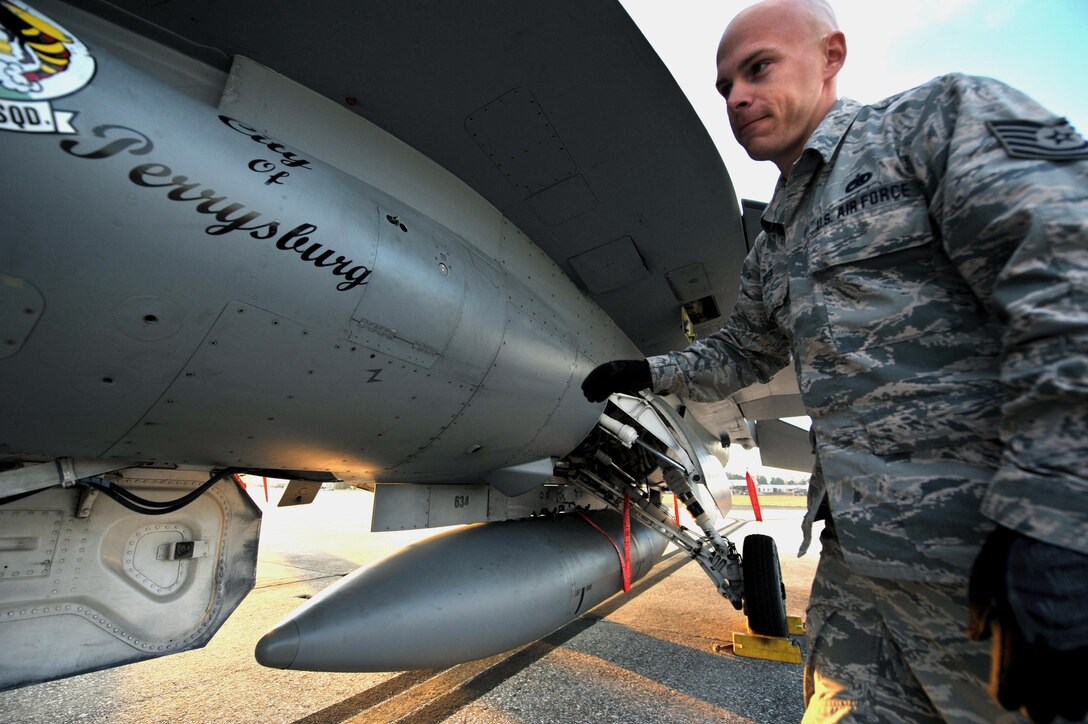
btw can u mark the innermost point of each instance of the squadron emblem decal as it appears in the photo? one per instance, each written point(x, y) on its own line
point(40, 61)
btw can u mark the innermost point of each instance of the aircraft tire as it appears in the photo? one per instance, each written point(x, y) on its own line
point(764, 592)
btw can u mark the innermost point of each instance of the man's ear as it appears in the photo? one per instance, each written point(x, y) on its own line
point(834, 53)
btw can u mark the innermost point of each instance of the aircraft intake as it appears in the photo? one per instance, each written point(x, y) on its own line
point(461, 595)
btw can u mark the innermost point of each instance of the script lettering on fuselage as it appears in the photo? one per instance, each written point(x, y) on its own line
point(231, 217)
point(261, 165)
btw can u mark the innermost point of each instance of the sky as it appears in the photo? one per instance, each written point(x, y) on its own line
point(1035, 45)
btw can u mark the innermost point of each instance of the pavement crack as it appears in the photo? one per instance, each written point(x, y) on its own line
point(293, 581)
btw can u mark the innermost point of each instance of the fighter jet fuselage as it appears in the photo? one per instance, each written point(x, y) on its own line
point(208, 268)
point(187, 289)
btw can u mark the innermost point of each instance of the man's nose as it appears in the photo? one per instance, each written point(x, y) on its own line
point(740, 97)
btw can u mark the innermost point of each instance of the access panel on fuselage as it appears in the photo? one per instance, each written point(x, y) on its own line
point(266, 391)
point(412, 309)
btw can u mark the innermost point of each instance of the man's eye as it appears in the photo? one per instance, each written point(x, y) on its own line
point(724, 89)
point(758, 67)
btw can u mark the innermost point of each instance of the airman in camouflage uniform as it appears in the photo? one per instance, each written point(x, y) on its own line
point(924, 263)
point(914, 269)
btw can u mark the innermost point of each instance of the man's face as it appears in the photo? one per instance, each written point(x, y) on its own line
point(771, 73)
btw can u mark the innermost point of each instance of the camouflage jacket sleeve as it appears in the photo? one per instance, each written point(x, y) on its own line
point(1017, 230)
point(751, 347)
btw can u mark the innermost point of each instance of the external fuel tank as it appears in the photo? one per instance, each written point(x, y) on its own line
point(461, 595)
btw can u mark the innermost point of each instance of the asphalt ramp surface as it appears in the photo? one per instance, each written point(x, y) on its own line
point(657, 654)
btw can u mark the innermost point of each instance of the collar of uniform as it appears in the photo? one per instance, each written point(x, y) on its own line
point(822, 144)
point(775, 213)
point(825, 139)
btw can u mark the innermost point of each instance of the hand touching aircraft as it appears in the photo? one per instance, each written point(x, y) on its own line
point(379, 242)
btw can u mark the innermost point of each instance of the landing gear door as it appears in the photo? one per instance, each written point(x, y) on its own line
point(88, 584)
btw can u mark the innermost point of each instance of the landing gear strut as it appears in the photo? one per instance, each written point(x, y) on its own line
point(641, 445)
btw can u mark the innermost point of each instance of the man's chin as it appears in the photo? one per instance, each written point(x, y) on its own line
point(756, 152)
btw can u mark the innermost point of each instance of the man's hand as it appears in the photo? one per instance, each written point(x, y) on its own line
point(625, 375)
point(1032, 598)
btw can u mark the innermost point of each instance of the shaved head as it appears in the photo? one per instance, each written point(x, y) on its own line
point(777, 67)
point(811, 19)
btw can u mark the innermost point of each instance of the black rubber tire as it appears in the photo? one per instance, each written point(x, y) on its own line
point(764, 592)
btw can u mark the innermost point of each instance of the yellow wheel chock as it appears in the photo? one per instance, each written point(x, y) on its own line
point(770, 648)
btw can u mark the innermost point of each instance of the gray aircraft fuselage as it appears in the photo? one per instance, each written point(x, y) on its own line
point(206, 272)
point(180, 287)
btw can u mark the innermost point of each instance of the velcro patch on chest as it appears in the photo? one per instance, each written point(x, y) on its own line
point(1057, 141)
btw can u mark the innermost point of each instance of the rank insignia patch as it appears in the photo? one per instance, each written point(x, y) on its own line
point(1047, 141)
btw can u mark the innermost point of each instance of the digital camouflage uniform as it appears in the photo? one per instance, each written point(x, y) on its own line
point(928, 274)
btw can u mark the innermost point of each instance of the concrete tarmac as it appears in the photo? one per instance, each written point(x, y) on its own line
point(648, 655)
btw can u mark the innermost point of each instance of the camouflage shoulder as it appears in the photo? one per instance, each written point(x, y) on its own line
point(935, 87)
point(946, 93)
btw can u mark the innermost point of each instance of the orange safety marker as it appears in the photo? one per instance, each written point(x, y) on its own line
point(676, 508)
point(753, 495)
point(626, 542)
point(625, 554)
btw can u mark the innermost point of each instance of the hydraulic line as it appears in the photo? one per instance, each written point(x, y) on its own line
point(144, 506)
point(131, 500)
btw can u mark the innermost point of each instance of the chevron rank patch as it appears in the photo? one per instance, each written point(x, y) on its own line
point(1057, 141)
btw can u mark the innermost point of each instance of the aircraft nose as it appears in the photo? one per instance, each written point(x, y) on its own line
point(279, 647)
